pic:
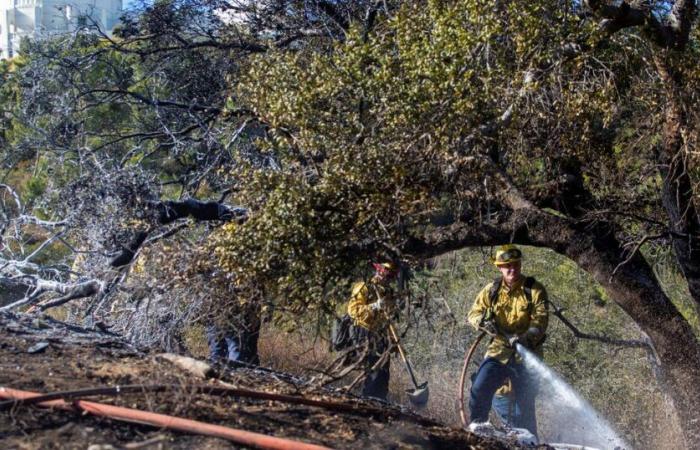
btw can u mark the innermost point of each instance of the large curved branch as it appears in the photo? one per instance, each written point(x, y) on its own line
point(672, 33)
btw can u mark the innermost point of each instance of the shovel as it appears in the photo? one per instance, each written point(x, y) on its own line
point(419, 394)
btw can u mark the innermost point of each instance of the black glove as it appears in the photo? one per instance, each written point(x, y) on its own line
point(527, 339)
point(533, 336)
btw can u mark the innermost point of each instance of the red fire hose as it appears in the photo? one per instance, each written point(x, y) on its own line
point(170, 422)
point(463, 378)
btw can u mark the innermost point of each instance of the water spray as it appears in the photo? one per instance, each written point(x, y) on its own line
point(579, 421)
point(576, 420)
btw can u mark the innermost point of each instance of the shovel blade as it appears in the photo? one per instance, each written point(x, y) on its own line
point(419, 395)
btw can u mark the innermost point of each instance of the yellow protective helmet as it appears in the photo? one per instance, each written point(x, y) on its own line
point(506, 254)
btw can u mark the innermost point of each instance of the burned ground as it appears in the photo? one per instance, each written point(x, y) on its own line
point(42, 355)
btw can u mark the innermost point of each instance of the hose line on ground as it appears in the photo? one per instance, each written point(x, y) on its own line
point(463, 378)
point(247, 438)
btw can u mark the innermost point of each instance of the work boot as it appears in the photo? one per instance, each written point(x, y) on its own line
point(482, 428)
point(522, 436)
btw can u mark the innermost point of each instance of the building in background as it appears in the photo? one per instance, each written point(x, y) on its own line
point(44, 18)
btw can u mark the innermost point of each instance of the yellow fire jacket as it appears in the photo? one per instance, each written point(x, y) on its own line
point(513, 314)
point(362, 295)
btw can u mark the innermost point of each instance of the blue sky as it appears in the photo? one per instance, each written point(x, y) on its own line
point(127, 3)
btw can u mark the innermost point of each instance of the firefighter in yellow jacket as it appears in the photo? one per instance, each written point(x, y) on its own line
point(514, 310)
point(371, 305)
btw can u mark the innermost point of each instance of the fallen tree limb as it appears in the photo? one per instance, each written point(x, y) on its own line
point(198, 368)
point(27, 273)
point(70, 290)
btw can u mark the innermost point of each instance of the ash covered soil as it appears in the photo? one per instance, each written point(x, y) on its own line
point(44, 356)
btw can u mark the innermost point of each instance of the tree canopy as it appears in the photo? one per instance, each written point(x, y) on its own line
point(349, 131)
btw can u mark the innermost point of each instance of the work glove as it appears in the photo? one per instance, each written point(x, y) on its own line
point(376, 306)
point(489, 326)
point(533, 336)
point(514, 340)
point(527, 339)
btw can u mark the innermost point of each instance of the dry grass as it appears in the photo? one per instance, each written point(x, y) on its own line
point(304, 354)
point(443, 402)
point(298, 353)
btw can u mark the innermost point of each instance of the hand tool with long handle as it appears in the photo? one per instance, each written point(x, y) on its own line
point(419, 394)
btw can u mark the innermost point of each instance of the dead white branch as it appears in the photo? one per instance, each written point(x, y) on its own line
point(70, 291)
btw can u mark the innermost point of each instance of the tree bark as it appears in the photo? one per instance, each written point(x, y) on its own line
point(633, 286)
point(636, 290)
point(677, 190)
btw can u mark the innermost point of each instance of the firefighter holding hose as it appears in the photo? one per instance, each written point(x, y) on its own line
point(512, 310)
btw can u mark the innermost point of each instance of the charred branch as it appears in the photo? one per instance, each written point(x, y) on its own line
point(129, 250)
point(558, 312)
point(170, 211)
point(219, 391)
point(329, 8)
point(157, 102)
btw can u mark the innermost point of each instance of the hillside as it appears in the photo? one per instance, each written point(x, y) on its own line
point(77, 358)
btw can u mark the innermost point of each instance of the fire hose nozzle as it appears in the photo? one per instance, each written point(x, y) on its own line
point(514, 340)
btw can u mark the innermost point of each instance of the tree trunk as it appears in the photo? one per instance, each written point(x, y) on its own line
point(635, 288)
point(677, 191)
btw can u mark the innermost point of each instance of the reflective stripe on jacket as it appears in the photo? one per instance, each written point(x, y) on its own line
point(512, 313)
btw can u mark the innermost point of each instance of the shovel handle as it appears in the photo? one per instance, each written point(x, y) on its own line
point(403, 355)
point(395, 337)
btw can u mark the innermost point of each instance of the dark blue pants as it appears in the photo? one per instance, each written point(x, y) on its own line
point(507, 409)
point(491, 376)
point(234, 345)
point(376, 383)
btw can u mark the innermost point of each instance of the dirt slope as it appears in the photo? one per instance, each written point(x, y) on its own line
point(43, 355)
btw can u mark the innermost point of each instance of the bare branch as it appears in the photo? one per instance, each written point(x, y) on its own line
point(81, 290)
point(43, 245)
point(559, 313)
point(14, 195)
point(636, 248)
point(24, 218)
point(70, 290)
